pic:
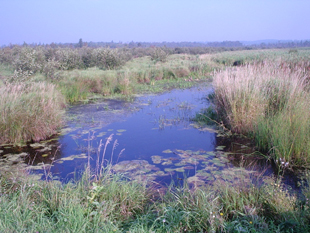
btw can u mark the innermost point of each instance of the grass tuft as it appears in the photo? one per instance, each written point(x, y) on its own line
point(30, 111)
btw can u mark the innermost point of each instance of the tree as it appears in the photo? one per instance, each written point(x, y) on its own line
point(80, 44)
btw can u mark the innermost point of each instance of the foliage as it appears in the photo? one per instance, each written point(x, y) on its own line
point(158, 54)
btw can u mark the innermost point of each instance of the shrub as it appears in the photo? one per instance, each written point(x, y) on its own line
point(106, 58)
point(29, 60)
point(69, 59)
point(158, 54)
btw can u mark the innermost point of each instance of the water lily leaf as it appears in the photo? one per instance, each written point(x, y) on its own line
point(66, 131)
point(168, 162)
point(119, 134)
point(69, 158)
point(211, 153)
point(208, 129)
point(220, 148)
point(37, 145)
point(169, 169)
point(110, 130)
point(48, 148)
point(137, 166)
point(195, 180)
point(40, 166)
point(161, 173)
point(180, 164)
point(180, 169)
point(101, 134)
point(168, 151)
point(156, 159)
point(121, 130)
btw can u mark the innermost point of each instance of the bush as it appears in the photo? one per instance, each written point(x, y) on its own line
point(106, 58)
point(158, 54)
point(29, 59)
point(69, 59)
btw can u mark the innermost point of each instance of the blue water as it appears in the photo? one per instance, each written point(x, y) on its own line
point(146, 127)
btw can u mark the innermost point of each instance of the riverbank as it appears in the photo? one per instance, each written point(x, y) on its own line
point(269, 102)
point(106, 202)
point(145, 74)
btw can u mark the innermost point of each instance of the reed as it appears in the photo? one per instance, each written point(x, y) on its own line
point(30, 111)
point(270, 101)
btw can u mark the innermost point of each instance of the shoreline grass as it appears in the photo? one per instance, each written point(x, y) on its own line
point(29, 111)
point(110, 203)
point(270, 102)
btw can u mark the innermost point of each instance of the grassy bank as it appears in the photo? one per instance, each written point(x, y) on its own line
point(110, 203)
point(29, 111)
point(138, 75)
point(270, 101)
point(32, 103)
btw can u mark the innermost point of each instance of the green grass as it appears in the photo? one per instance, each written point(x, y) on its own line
point(31, 111)
point(269, 101)
point(111, 203)
point(140, 75)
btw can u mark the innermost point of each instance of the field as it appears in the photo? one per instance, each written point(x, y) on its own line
point(260, 94)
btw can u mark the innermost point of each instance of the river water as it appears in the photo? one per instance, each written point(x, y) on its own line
point(152, 138)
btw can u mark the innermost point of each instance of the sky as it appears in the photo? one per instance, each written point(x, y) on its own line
point(66, 21)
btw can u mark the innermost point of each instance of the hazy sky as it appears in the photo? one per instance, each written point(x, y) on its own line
point(46, 21)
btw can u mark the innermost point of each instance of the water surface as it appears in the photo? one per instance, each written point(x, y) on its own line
point(152, 138)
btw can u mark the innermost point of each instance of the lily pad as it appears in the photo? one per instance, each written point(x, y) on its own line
point(121, 130)
point(196, 181)
point(220, 148)
point(37, 145)
point(168, 162)
point(66, 131)
point(134, 165)
point(180, 169)
point(168, 151)
point(47, 148)
point(169, 169)
point(156, 159)
point(101, 134)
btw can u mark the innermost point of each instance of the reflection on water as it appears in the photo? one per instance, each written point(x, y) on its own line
point(153, 139)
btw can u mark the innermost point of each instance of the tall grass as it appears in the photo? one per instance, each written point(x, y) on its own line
point(31, 111)
point(114, 204)
point(269, 100)
point(132, 78)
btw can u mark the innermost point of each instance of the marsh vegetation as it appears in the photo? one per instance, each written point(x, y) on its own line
point(262, 95)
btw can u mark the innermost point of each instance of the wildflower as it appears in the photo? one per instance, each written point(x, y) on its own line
point(221, 214)
point(251, 222)
point(164, 220)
